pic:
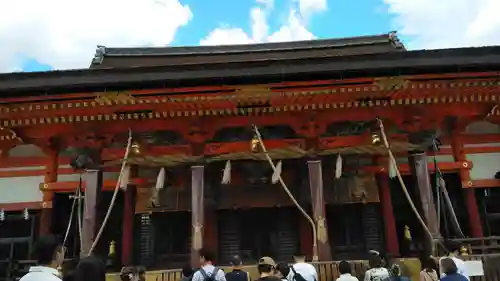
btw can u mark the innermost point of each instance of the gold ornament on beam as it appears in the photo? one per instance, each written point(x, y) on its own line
point(391, 83)
point(114, 98)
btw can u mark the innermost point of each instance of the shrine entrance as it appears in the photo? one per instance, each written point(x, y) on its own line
point(253, 233)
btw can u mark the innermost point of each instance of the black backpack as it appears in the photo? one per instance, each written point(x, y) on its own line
point(297, 276)
point(207, 277)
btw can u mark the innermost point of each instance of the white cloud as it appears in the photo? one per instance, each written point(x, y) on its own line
point(292, 30)
point(64, 33)
point(448, 23)
point(307, 7)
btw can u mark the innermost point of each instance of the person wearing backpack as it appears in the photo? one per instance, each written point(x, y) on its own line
point(301, 270)
point(207, 271)
point(237, 274)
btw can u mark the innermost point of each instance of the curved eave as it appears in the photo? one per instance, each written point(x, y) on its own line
point(391, 64)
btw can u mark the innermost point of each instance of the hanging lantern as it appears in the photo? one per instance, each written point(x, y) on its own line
point(160, 180)
point(277, 173)
point(125, 177)
point(2, 215)
point(26, 214)
point(112, 249)
point(135, 148)
point(338, 167)
point(407, 233)
point(226, 174)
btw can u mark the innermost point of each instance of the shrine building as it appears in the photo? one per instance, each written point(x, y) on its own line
point(192, 113)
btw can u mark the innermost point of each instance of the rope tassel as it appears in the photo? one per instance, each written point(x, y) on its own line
point(160, 180)
point(226, 175)
point(125, 177)
point(338, 167)
point(277, 173)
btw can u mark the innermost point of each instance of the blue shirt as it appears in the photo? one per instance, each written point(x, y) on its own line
point(454, 277)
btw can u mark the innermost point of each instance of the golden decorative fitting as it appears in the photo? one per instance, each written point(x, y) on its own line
point(391, 83)
point(135, 148)
point(252, 93)
point(114, 98)
point(465, 164)
point(375, 138)
point(255, 144)
point(464, 251)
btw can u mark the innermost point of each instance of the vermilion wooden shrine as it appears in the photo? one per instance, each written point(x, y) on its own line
point(192, 108)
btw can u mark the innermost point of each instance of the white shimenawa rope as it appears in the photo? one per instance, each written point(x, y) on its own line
point(290, 195)
point(115, 193)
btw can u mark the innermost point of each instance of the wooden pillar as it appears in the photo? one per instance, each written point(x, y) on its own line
point(390, 233)
point(48, 195)
point(128, 221)
point(476, 228)
point(93, 186)
point(420, 172)
point(197, 212)
point(318, 207)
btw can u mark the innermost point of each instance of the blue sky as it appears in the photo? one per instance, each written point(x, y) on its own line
point(59, 34)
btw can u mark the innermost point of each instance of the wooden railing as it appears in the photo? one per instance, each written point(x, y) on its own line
point(482, 245)
point(327, 271)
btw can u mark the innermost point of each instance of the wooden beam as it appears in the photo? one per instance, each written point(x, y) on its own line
point(70, 186)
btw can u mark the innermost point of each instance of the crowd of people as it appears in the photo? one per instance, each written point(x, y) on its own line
point(49, 253)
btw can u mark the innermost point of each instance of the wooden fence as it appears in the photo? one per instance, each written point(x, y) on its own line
point(327, 271)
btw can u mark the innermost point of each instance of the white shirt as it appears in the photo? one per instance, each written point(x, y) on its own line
point(376, 274)
point(307, 270)
point(461, 269)
point(209, 270)
point(347, 277)
point(41, 273)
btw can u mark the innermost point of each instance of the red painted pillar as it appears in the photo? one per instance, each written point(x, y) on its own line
point(476, 228)
point(48, 196)
point(128, 221)
point(390, 234)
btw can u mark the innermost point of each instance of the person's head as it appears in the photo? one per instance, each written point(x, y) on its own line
point(141, 272)
point(375, 261)
point(236, 261)
point(344, 267)
point(206, 257)
point(70, 276)
point(449, 266)
point(299, 257)
point(128, 273)
point(49, 251)
point(283, 269)
point(428, 263)
point(266, 266)
point(187, 270)
point(90, 268)
point(395, 270)
point(452, 247)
